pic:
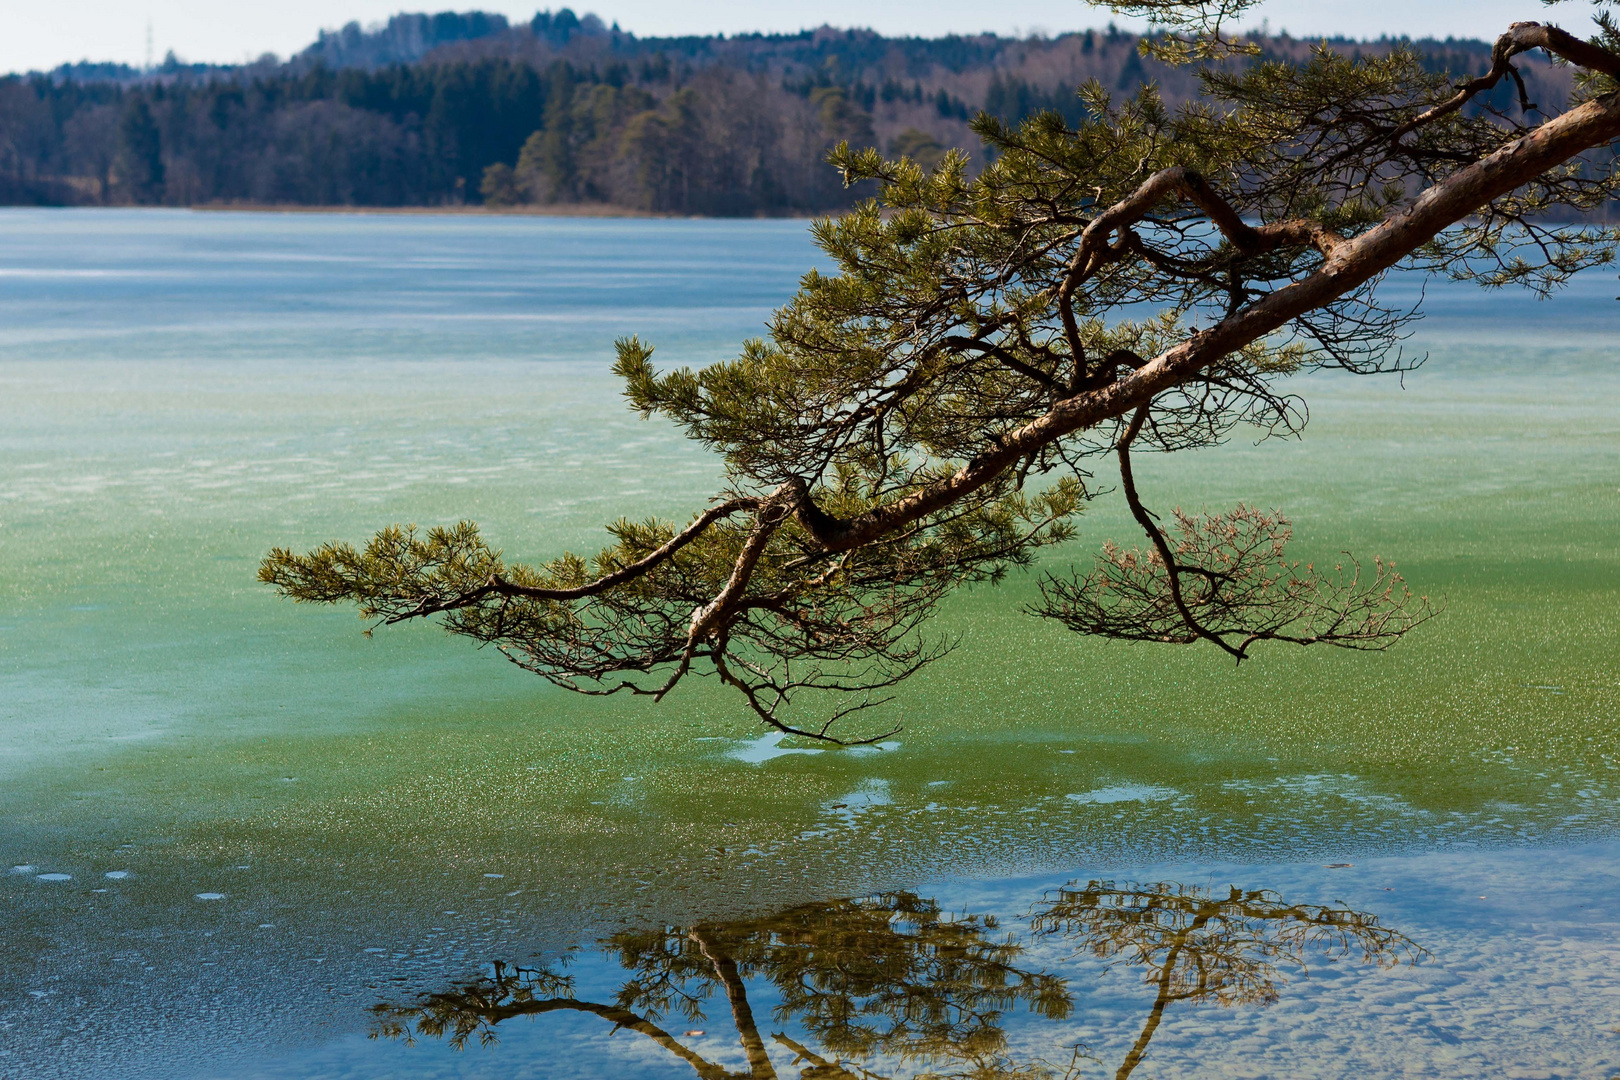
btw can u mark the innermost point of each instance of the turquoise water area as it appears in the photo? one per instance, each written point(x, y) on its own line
point(235, 825)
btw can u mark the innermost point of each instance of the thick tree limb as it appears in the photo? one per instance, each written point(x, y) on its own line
point(742, 1014)
point(708, 618)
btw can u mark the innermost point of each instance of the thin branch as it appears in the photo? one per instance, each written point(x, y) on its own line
point(1520, 38)
point(1149, 526)
point(499, 586)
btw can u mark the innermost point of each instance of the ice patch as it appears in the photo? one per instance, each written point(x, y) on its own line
point(23, 868)
point(1347, 786)
point(42, 273)
point(116, 875)
point(763, 749)
point(849, 807)
point(875, 748)
point(56, 877)
point(210, 896)
point(1125, 793)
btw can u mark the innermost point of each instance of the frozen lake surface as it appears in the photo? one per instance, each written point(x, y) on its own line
point(230, 828)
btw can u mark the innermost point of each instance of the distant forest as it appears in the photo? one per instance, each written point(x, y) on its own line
point(436, 110)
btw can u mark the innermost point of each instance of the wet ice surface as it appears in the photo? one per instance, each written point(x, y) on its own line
point(1520, 977)
point(1124, 793)
point(216, 388)
point(766, 748)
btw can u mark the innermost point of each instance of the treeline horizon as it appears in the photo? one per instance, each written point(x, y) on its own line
point(456, 110)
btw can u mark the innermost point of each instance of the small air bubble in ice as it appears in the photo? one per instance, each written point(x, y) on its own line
point(56, 877)
point(210, 896)
point(116, 875)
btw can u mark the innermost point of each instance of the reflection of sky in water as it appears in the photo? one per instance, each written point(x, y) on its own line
point(1512, 978)
point(180, 391)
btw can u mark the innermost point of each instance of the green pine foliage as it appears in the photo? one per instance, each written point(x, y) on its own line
point(931, 414)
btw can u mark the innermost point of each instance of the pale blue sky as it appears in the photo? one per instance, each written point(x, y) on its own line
point(36, 34)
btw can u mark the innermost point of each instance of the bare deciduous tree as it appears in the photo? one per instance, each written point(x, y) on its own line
point(931, 415)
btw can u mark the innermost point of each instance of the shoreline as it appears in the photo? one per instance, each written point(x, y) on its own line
point(549, 210)
point(565, 210)
point(557, 210)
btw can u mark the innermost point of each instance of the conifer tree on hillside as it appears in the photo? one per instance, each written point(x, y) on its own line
point(934, 412)
point(140, 153)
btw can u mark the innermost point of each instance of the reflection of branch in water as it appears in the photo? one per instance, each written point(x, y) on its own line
point(886, 976)
point(892, 978)
point(1199, 948)
point(477, 1007)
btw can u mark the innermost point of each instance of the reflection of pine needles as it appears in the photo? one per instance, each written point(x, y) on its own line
point(1196, 947)
point(1200, 947)
point(472, 1009)
point(894, 979)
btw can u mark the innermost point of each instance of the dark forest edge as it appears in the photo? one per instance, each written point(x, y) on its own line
point(566, 114)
